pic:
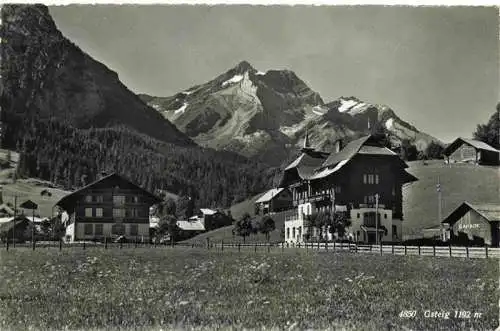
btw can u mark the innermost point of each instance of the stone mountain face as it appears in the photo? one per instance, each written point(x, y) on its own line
point(46, 76)
point(266, 115)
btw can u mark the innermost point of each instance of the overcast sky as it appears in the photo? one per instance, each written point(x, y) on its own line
point(437, 67)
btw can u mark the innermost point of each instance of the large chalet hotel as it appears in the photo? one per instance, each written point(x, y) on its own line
point(358, 180)
point(110, 207)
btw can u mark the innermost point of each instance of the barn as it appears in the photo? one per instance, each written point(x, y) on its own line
point(475, 222)
point(471, 151)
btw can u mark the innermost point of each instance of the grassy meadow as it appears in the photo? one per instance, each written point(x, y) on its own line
point(186, 288)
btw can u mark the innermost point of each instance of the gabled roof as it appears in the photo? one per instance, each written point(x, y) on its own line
point(207, 211)
point(471, 142)
point(191, 225)
point(70, 197)
point(347, 152)
point(269, 195)
point(6, 209)
point(491, 212)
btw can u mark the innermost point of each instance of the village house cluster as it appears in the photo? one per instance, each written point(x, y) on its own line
point(361, 182)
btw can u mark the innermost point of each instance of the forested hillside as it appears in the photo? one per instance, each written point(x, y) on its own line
point(73, 157)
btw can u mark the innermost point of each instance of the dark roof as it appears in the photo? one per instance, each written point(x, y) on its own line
point(490, 212)
point(66, 200)
point(314, 166)
point(28, 204)
point(346, 153)
point(471, 142)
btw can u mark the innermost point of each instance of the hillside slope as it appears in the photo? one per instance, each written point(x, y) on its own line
point(44, 75)
point(480, 184)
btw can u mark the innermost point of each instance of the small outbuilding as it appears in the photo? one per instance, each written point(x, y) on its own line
point(274, 200)
point(471, 151)
point(475, 222)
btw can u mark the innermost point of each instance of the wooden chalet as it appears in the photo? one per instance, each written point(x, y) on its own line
point(471, 151)
point(347, 181)
point(274, 200)
point(108, 208)
point(475, 223)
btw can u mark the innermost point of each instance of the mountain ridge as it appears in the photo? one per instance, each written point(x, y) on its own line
point(265, 114)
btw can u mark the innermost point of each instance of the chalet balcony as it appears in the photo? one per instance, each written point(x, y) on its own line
point(371, 205)
point(312, 198)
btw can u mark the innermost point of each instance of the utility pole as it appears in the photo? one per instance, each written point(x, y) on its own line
point(376, 217)
point(14, 222)
point(438, 189)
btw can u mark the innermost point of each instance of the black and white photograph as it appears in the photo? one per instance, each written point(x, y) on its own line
point(239, 166)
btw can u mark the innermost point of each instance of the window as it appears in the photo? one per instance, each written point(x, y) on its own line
point(136, 199)
point(337, 189)
point(88, 229)
point(118, 229)
point(88, 212)
point(394, 231)
point(293, 233)
point(385, 215)
point(300, 232)
point(370, 179)
point(287, 233)
point(118, 212)
point(88, 198)
point(98, 229)
point(98, 212)
point(118, 199)
point(134, 229)
point(358, 215)
point(99, 199)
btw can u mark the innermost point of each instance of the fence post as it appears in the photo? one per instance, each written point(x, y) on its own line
point(287, 244)
point(135, 243)
point(371, 247)
point(467, 251)
point(405, 249)
point(33, 244)
point(434, 250)
point(255, 248)
point(449, 247)
point(318, 245)
point(392, 248)
point(7, 244)
point(282, 247)
point(268, 247)
point(121, 244)
point(418, 250)
point(486, 250)
point(105, 243)
point(239, 247)
point(60, 244)
point(208, 243)
point(334, 245)
point(356, 247)
point(380, 248)
point(326, 246)
point(222, 246)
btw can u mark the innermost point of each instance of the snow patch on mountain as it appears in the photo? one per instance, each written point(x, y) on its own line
point(346, 105)
point(233, 80)
point(318, 110)
point(389, 124)
point(182, 109)
point(260, 73)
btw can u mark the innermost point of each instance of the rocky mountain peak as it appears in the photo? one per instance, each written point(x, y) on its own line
point(243, 67)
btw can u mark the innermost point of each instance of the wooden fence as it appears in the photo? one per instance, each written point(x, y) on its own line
point(435, 251)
